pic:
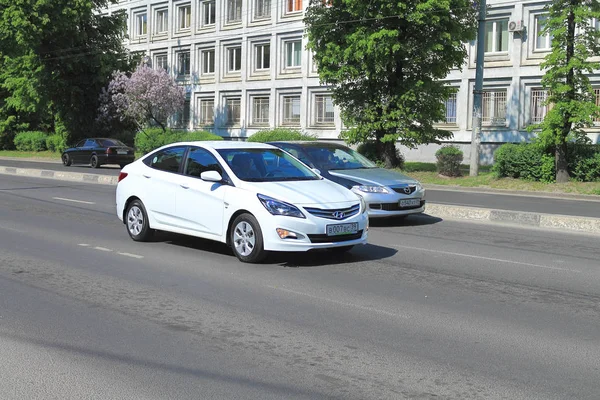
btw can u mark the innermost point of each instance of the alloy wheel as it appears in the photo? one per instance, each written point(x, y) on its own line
point(135, 220)
point(244, 238)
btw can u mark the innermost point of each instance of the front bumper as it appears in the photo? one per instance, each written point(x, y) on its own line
point(311, 233)
point(382, 205)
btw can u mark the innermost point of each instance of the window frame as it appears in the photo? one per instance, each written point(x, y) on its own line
point(188, 67)
point(259, 56)
point(452, 98)
point(137, 34)
point(323, 120)
point(495, 96)
point(258, 118)
point(287, 65)
point(494, 50)
point(188, 19)
point(293, 7)
point(539, 26)
point(162, 21)
point(203, 14)
point(236, 60)
point(265, 7)
point(229, 122)
point(202, 117)
point(236, 16)
point(291, 120)
point(203, 54)
point(156, 62)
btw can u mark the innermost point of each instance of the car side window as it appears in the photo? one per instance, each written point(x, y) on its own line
point(90, 143)
point(200, 160)
point(167, 160)
point(80, 143)
point(299, 154)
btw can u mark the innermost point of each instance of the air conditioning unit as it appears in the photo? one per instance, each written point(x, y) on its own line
point(515, 26)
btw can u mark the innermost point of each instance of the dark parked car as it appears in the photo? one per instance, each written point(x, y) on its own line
point(387, 193)
point(99, 151)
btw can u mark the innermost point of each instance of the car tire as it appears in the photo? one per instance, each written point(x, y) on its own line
point(340, 250)
point(94, 162)
point(246, 239)
point(136, 221)
point(66, 160)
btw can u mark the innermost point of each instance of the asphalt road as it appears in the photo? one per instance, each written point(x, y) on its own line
point(429, 309)
point(457, 197)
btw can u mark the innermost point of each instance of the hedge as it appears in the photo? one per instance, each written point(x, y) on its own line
point(280, 134)
point(30, 141)
point(449, 159)
point(153, 138)
point(56, 143)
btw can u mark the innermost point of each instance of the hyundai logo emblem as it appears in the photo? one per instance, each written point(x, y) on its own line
point(338, 215)
point(407, 190)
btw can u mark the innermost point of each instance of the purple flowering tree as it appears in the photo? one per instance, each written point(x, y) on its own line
point(148, 96)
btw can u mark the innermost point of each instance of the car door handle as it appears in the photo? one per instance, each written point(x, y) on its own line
point(147, 176)
point(184, 186)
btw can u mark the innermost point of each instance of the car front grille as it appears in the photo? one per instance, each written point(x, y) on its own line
point(393, 206)
point(336, 214)
point(334, 239)
point(403, 189)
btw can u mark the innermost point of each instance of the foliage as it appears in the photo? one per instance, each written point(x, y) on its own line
point(153, 138)
point(370, 149)
point(584, 163)
point(55, 56)
point(30, 141)
point(56, 143)
point(574, 42)
point(280, 134)
point(148, 97)
point(524, 161)
point(384, 61)
point(449, 159)
point(414, 166)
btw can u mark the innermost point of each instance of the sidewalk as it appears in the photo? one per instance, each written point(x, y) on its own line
point(585, 224)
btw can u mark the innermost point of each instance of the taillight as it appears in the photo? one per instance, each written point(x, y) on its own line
point(122, 175)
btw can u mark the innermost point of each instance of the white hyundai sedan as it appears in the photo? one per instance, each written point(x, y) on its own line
point(254, 197)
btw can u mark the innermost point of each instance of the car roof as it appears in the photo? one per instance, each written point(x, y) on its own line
point(226, 144)
point(310, 143)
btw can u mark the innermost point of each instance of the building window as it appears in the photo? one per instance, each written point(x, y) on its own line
point(494, 108)
point(542, 42)
point(161, 25)
point(233, 111)
point(324, 110)
point(234, 11)
point(291, 110)
point(293, 6)
point(496, 36)
point(293, 54)
point(208, 13)
point(262, 9)
point(234, 59)
point(450, 106)
point(262, 56)
point(141, 24)
point(160, 62)
point(183, 64)
point(207, 112)
point(597, 94)
point(539, 109)
point(260, 111)
point(182, 119)
point(208, 62)
point(184, 17)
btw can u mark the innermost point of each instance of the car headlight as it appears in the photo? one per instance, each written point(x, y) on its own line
point(277, 207)
point(371, 189)
point(363, 204)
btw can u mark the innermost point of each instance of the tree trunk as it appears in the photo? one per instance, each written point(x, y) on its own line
point(562, 171)
point(387, 152)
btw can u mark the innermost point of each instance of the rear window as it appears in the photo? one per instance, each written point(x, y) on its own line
point(111, 142)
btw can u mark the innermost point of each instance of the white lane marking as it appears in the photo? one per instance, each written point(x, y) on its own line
point(83, 245)
point(363, 308)
point(102, 248)
point(73, 200)
point(130, 255)
point(488, 258)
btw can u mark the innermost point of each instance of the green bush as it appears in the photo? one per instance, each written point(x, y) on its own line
point(524, 161)
point(449, 159)
point(415, 166)
point(199, 136)
point(279, 134)
point(370, 150)
point(587, 169)
point(30, 141)
point(153, 138)
point(56, 143)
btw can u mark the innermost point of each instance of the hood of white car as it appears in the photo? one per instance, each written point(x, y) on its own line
point(305, 193)
point(374, 176)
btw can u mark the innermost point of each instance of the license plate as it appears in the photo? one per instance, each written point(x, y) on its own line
point(410, 202)
point(342, 229)
point(121, 151)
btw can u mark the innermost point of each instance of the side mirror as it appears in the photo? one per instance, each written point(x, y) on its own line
point(316, 171)
point(211, 176)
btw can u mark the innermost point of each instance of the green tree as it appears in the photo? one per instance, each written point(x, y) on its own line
point(384, 60)
point(574, 41)
point(55, 57)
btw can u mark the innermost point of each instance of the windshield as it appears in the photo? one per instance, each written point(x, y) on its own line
point(328, 158)
point(266, 165)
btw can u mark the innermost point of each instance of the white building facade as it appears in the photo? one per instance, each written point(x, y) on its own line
point(245, 68)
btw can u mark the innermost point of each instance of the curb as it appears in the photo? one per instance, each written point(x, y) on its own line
point(539, 220)
point(60, 175)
